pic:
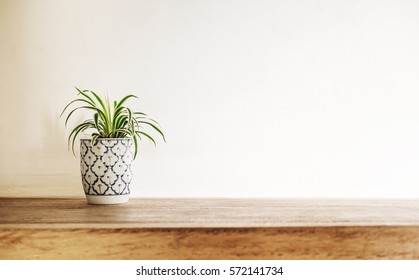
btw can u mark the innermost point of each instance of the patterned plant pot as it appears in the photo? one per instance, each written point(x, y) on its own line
point(106, 169)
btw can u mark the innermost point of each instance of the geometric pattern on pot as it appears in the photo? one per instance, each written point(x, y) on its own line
point(106, 167)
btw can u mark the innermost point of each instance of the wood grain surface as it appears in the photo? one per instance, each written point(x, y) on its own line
point(209, 229)
point(206, 213)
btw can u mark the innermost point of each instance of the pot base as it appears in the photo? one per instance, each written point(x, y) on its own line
point(107, 199)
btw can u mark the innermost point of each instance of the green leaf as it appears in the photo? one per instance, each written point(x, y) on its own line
point(77, 100)
point(129, 114)
point(75, 132)
point(95, 136)
point(87, 97)
point(125, 99)
point(146, 135)
point(124, 131)
point(140, 113)
point(82, 107)
point(96, 119)
point(147, 118)
point(100, 102)
point(155, 127)
point(135, 146)
point(135, 125)
point(120, 121)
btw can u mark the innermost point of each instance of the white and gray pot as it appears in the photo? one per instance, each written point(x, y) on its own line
point(106, 169)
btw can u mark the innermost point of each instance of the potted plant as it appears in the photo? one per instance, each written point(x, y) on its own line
point(106, 157)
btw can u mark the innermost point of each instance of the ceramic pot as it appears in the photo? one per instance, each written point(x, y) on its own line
point(106, 169)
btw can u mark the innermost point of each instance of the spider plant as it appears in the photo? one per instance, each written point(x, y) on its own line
point(109, 120)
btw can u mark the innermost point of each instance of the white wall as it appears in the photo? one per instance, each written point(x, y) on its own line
point(258, 98)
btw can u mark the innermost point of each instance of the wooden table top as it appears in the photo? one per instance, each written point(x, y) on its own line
point(207, 213)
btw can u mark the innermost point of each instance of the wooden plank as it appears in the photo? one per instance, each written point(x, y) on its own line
point(209, 229)
point(248, 243)
point(206, 213)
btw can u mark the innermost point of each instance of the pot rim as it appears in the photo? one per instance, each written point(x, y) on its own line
point(86, 139)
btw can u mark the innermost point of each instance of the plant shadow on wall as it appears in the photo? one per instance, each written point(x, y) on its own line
point(106, 158)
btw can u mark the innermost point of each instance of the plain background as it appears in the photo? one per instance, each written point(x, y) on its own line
point(292, 98)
